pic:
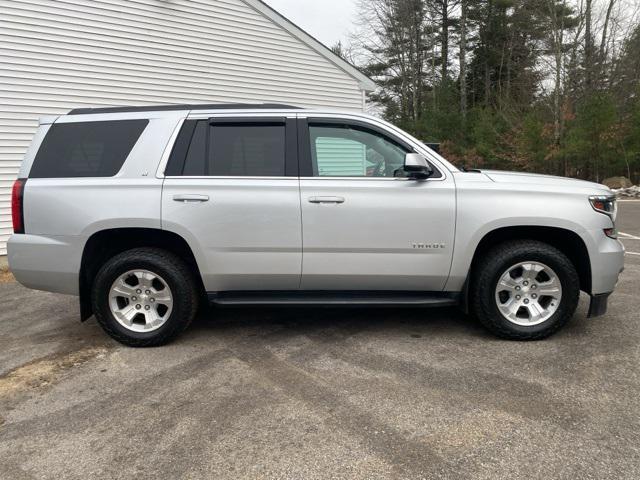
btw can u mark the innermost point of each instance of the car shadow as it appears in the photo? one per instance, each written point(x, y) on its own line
point(253, 321)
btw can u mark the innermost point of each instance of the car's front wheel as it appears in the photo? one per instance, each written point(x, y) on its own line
point(524, 290)
point(144, 297)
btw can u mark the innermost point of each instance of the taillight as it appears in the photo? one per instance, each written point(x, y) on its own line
point(17, 206)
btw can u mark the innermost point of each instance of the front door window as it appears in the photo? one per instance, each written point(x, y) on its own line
point(352, 151)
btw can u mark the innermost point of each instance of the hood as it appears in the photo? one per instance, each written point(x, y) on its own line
point(524, 178)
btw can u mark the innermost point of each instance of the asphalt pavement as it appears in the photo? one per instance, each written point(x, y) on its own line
point(322, 394)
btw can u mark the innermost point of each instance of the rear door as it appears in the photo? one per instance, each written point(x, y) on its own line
point(232, 190)
point(365, 227)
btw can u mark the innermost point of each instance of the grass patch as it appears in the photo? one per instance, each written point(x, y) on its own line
point(45, 371)
point(5, 275)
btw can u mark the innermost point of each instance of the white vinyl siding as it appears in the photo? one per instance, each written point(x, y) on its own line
point(339, 157)
point(57, 55)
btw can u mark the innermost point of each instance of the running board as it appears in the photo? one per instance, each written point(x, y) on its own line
point(336, 299)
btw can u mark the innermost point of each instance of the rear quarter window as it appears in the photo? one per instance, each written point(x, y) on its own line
point(86, 149)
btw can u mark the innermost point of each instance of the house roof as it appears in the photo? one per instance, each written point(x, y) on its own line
point(365, 82)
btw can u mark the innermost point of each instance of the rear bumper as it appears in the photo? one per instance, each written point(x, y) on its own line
point(46, 263)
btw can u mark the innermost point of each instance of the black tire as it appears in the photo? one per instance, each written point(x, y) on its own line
point(495, 262)
point(179, 279)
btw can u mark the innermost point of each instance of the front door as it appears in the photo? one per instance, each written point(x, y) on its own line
point(231, 189)
point(364, 228)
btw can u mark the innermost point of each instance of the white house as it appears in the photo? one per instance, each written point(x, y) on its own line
point(59, 54)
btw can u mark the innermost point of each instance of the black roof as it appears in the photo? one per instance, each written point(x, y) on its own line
point(159, 108)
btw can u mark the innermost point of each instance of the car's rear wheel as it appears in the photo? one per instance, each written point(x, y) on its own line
point(144, 297)
point(524, 290)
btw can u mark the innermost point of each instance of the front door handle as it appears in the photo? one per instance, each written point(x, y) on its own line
point(191, 198)
point(326, 199)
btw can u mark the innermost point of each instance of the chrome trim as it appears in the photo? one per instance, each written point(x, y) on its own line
point(228, 178)
point(321, 200)
point(360, 179)
point(372, 179)
point(379, 179)
point(191, 198)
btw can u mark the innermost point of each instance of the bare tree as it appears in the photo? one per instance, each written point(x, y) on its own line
point(588, 46)
point(397, 55)
point(463, 59)
point(442, 11)
point(605, 28)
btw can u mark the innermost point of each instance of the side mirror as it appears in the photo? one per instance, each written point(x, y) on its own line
point(417, 167)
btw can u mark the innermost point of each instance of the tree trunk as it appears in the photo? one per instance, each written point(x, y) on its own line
point(602, 54)
point(445, 39)
point(417, 70)
point(487, 74)
point(588, 48)
point(463, 60)
point(605, 28)
point(556, 97)
point(558, 44)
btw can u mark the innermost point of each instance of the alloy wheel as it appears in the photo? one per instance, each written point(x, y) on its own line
point(528, 293)
point(140, 300)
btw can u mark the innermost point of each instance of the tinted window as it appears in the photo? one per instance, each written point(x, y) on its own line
point(229, 150)
point(247, 150)
point(194, 164)
point(87, 149)
point(351, 151)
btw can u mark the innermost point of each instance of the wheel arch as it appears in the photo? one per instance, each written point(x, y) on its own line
point(104, 244)
point(567, 241)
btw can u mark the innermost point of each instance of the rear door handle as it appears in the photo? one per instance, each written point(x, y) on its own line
point(326, 199)
point(191, 198)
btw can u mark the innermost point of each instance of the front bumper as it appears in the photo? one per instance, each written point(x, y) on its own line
point(598, 305)
point(607, 263)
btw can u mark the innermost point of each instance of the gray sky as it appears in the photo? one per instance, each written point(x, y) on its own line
point(327, 20)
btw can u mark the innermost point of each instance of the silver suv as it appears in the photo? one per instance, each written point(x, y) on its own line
point(148, 213)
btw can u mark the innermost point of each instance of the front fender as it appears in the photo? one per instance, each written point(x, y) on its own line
point(486, 208)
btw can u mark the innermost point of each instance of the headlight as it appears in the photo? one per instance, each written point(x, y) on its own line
point(604, 204)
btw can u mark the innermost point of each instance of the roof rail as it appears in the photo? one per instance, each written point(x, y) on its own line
point(160, 108)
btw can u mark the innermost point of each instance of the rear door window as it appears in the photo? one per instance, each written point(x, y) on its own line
point(247, 151)
point(86, 149)
point(231, 149)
